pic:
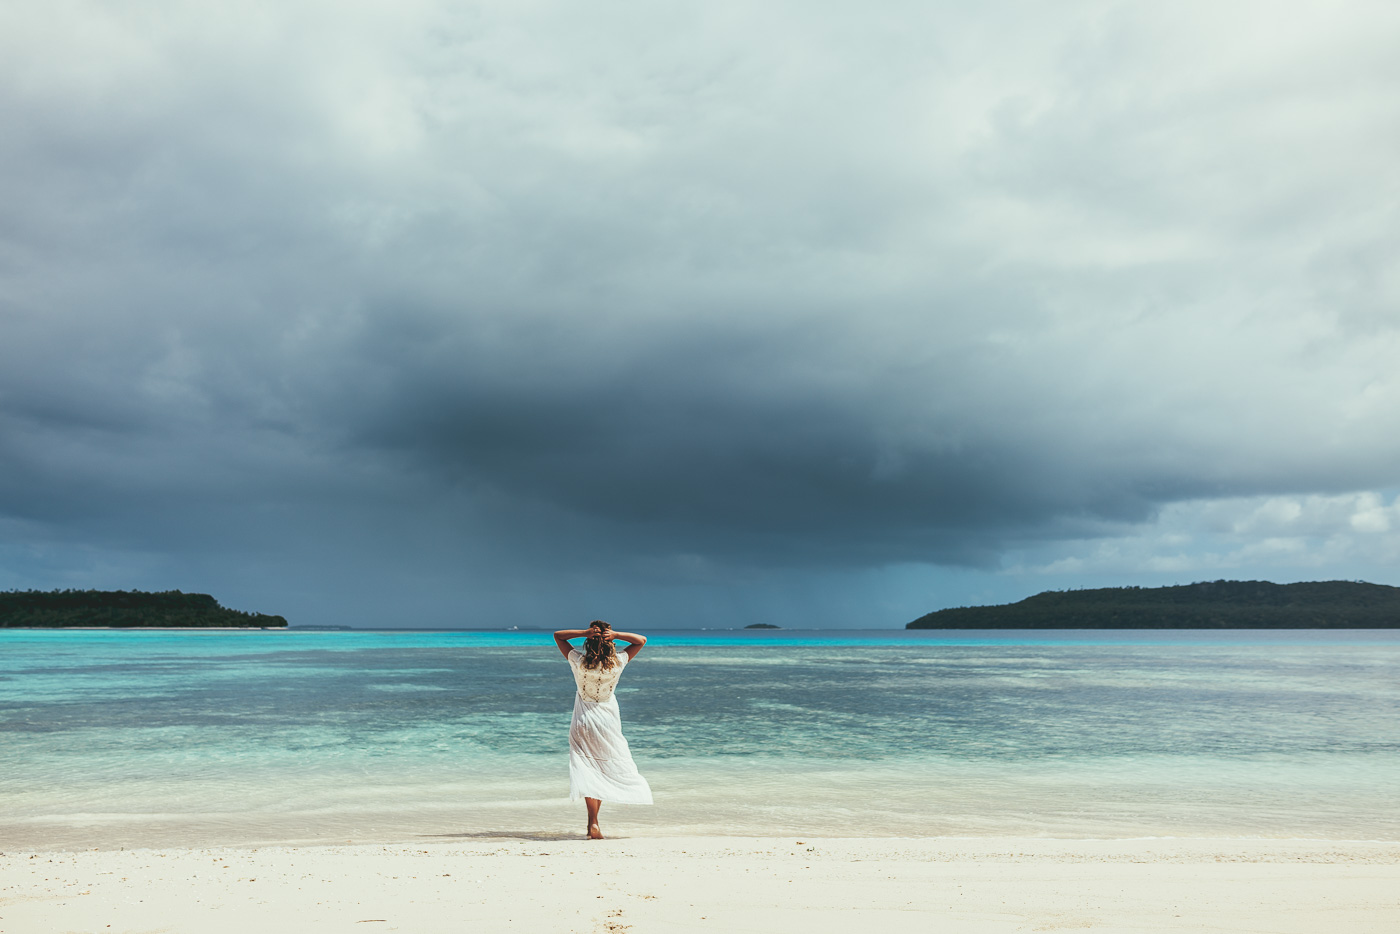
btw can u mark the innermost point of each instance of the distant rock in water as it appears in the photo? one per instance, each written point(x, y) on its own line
point(1208, 605)
point(122, 609)
point(762, 626)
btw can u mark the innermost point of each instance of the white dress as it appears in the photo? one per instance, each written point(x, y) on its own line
point(600, 763)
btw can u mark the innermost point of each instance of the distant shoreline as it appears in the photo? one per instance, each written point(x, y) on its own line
point(148, 628)
point(1209, 605)
point(124, 609)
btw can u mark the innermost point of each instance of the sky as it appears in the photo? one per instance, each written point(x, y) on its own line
point(817, 314)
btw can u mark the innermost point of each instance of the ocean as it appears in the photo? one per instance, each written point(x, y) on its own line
point(148, 738)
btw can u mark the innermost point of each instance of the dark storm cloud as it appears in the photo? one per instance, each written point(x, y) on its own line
point(718, 443)
point(529, 292)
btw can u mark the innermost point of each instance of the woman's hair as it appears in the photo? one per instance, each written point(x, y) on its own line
point(598, 648)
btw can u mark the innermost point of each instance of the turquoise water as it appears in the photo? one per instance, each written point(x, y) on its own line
point(157, 738)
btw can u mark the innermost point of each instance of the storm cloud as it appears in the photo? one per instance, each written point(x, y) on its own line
point(495, 313)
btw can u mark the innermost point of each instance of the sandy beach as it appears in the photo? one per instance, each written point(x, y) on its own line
point(643, 885)
point(267, 783)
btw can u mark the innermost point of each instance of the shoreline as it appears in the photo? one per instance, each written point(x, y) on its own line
point(641, 838)
point(562, 882)
point(148, 628)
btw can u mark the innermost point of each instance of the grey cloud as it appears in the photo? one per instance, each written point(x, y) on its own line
point(685, 295)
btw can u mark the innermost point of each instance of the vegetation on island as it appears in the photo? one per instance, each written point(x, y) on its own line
point(122, 609)
point(1218, 604)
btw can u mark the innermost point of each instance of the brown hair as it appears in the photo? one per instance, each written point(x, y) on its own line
point(598, 648)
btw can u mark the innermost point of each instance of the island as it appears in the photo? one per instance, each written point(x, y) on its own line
point(123, 609)
point(1221, 604)
point(762, 626)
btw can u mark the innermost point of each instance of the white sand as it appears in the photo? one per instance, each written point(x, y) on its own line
point(645, 885)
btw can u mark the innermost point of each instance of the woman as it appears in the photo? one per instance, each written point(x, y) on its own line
point(600, 764)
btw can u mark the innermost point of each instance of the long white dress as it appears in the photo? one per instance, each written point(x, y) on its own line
point(600, 762)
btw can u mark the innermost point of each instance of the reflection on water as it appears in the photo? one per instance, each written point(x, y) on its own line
point(128, 738)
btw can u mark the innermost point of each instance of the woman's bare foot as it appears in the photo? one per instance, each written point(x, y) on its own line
point(594, 805)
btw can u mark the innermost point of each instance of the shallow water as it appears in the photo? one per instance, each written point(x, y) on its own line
point(129, 738)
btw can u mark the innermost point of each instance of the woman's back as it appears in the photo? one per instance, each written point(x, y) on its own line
point(596, 684)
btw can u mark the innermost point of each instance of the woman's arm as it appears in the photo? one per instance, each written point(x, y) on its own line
point(562, 637)
point(636, 643)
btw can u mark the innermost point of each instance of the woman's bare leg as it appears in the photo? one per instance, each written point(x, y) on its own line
point(594, 833)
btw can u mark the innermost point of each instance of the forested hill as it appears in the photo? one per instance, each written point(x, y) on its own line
point(122, 608)
point(1208, 605)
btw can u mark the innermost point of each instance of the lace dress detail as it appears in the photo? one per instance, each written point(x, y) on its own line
point(600, 762)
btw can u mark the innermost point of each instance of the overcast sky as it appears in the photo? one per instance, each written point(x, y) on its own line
point(822, 314)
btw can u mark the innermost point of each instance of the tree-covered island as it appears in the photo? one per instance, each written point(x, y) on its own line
point(1218, 604)
point(122, 609)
